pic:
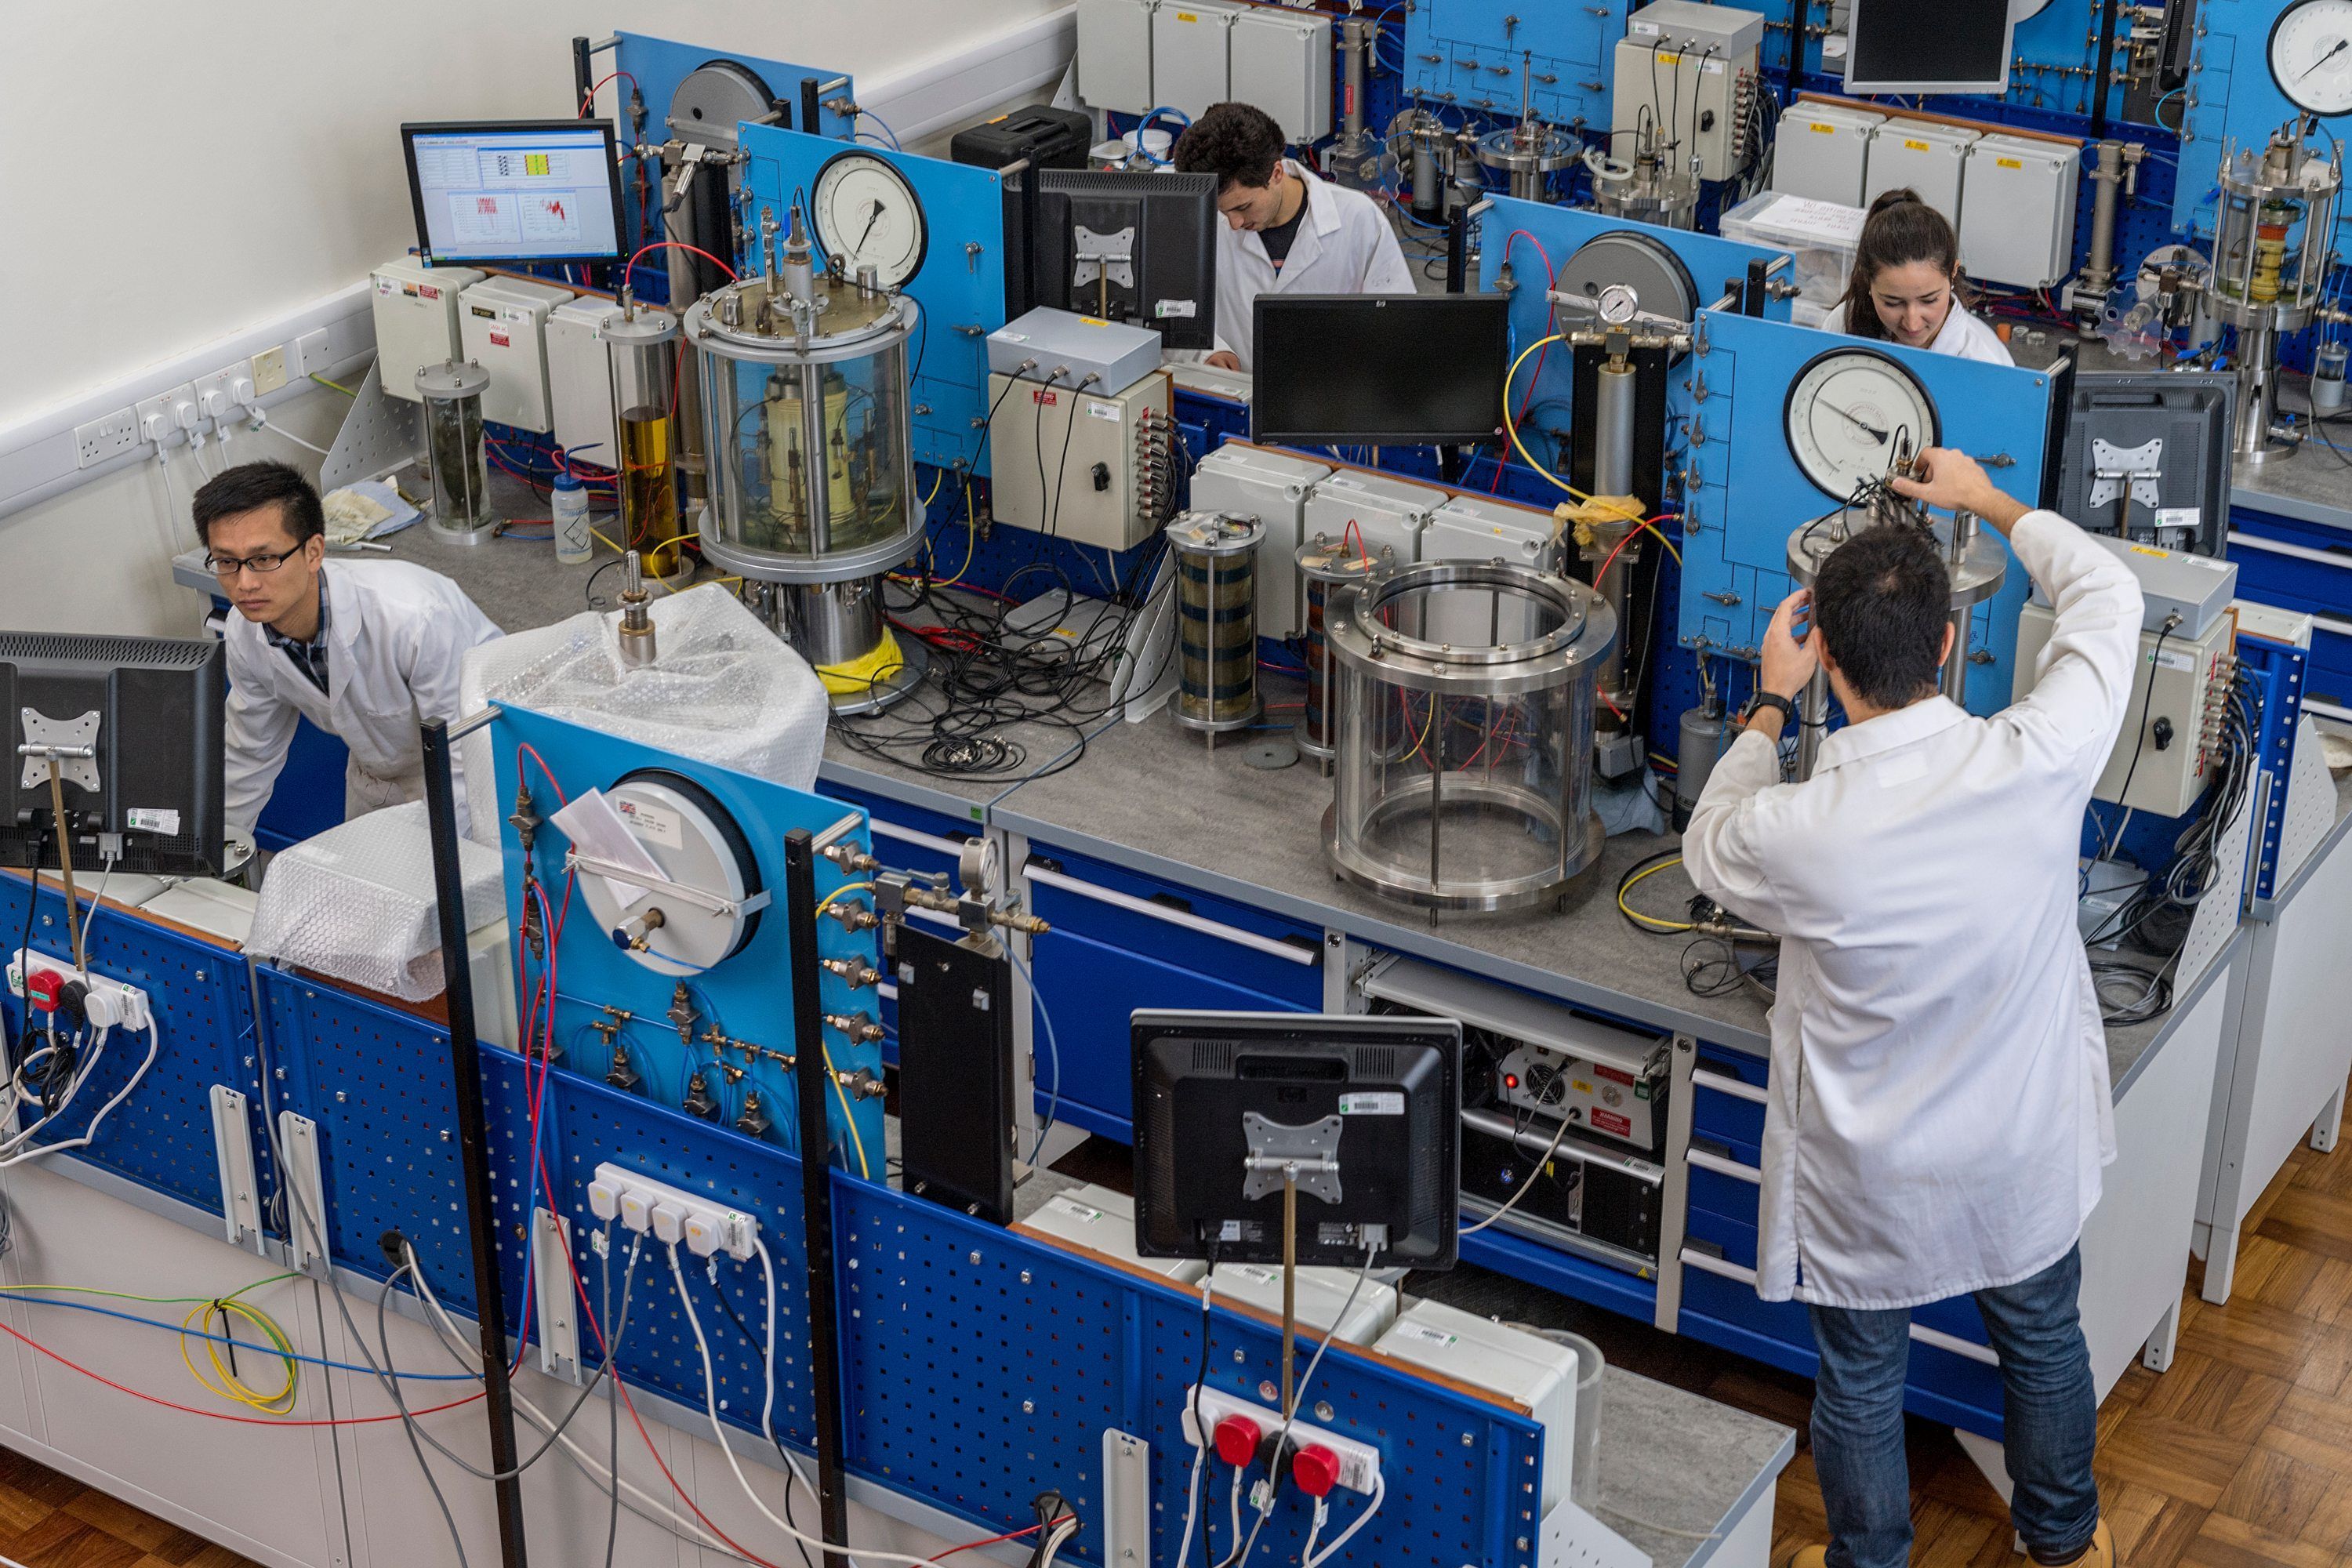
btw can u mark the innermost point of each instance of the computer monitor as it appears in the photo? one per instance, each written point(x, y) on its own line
point(1125, 247)
point(149, 800)
point(515, 190)
point(1928, 45)
point(1370, 1108)
point(1396, 369)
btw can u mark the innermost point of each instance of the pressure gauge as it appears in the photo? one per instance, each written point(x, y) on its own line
point(1618, 304)
point(2311, 56)
point(1850, 412)
point(867, 214)
point(686, 894)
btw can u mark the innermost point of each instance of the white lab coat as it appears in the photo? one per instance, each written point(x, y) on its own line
point(1965, 335)
point(1344, 246)
point(395, 635)
point(1940, 1107)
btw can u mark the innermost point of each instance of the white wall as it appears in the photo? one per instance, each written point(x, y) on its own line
point(202, 169)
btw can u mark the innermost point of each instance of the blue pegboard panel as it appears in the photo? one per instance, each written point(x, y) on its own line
point(660, 65)
point(747, 997)
point(959, 283)
point(2277, 671)
point(1735, 534)
point(161, 1136)
point(1466, 55)
point(932, 1411)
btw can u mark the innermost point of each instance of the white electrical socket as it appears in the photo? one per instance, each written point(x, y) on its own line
point(108, 438)
point(1360, 1463)
point(269, 370)
point(110, 1002)
point(215, 394)
point(159, 407)
point(310, 353)
point(672, 1214)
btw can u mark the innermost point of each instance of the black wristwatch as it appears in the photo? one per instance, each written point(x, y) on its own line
point(1769, 700)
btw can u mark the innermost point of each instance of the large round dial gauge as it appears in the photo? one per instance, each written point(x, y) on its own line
point(1850, 412)
point(2311, 56)
point(868, 215)
point(687, 896)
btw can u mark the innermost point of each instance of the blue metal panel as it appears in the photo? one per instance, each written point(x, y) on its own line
point(1930, 1402)
point(1635, 1296)
point(1466, 54)
point(161, 1136)
point(308, 796)
point(2232, 96)
point(960, 285)
point(1750, 494)
point(2277, 671)
point(660, 65)
point(748, 996)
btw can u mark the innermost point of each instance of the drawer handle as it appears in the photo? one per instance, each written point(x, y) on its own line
point(1185, 918)
point(951, 847)
point(1706, 1262)
point(1738, 1088)
point(887, 990)
point(2300, 551)
point(1723, 1167)
point(2327, 710)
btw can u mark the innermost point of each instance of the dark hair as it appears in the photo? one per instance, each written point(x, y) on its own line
point(1901, 229)
point(250, 486)
point(1880, 607)
point(1238, 142)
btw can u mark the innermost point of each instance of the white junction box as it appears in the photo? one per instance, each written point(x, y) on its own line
point(579, 381)
point(1821, 149)
point(1476, 528)
point(1099, 1220)
point(1319, 1294)
point(2017, 206)
point(2172, 724)
point(502, 327)
point(1271, 487)
point(1388, 514)
point(1098, 485)
point(415, 309)
point(1929, 159)
point(1281, 61)
point(1360, 1463)
point(1188, 66)
point(1821, 236)
point(1520, 1366)
point(1115, 54)
point(672, 1215)
point(1689, 70)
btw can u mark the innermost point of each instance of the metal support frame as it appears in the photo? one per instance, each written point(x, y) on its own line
point(473, 1142)
point(2103, 76)
point(811, 1074)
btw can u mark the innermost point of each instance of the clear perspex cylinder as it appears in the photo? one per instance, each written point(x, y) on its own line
point(1216, 620)
point(456, 460)
point(1465, 694)
point(811, 467)
point(1323, 563)
point(640, 357)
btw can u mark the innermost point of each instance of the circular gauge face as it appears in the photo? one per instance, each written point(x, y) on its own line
point(1850, 411)
point(2026, 10)
point(1618, 304)
point(2311, 56)
point(867, 215)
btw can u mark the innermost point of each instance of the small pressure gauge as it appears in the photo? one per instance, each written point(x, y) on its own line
point(867, 214)
point(1618, 304)
point(2311, 56)
point(1850, 413)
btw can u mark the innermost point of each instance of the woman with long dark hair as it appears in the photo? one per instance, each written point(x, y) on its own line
point(1906, 286)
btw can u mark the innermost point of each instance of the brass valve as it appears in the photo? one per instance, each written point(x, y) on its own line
point(855, 971)
point(859, 1028)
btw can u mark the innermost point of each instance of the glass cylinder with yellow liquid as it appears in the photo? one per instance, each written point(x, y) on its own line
point(641, 351)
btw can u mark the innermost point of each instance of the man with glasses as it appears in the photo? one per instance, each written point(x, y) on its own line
point(362, 650)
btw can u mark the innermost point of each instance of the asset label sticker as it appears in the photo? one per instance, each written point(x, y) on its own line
point(2177, 660)
point(1076, 1210)
point(1165, 309)
point(153, 819)
point(1385, 1103)
point(651, 822)
point(1104, 411)
point(1424, 1334)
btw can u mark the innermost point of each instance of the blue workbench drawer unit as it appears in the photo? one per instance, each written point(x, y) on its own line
point(2305, 566)
point(1172, 924)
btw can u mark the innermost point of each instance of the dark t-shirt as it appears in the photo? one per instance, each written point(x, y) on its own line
point(1277, 239)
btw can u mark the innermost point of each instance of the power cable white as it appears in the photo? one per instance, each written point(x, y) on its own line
point(768, 1406)
point(1201, 1450)
point(268, 423)
point(1339, 1541)
point(103, 1111)
point(1525, 1186)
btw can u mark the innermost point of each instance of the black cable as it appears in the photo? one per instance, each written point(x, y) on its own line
point(408, 1421)
point(744, 1328)
point(2139, 740)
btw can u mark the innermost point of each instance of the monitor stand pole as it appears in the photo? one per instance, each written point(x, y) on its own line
point(81, 958)
point(1289, 1279)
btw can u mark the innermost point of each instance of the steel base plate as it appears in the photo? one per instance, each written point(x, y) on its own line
point(1472, 811)
point(915, 664)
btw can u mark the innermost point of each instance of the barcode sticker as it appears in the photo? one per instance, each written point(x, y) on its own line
point(1423, 1334)
point(153, 819)
point(1385, 1103)
point(1076, 1210)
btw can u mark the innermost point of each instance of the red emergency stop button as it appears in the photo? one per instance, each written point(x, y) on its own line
point(43, 987)
point(1315, 1469)
point(1238, 1438)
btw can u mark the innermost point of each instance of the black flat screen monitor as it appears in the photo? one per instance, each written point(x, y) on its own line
point(515, 190)
point(1397, 369)
point(1140, 249)
point(1928, 45)
point(150, 800)
point(1381, 1094)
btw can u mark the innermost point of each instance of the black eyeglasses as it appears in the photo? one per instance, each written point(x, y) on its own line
point(230, 565)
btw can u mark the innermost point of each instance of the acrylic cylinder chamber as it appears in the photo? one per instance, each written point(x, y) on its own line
point(456, 460)
point(1216, 620)
point(1465, 694)
point(642, 370)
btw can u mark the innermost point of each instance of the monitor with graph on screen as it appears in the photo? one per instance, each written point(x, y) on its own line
point(515, 190)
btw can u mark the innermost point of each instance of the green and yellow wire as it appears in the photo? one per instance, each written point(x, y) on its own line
point(201, 1309)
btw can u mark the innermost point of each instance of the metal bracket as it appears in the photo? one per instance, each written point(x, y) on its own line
point(72, 741)
point(1097, 254)
point(2114, 467)
point(558, 1328)
point(575, 861)
point(1127, 1499)
point(1312, 1152)
point(298, 1139)
point(233, 1153)
point(377, 435)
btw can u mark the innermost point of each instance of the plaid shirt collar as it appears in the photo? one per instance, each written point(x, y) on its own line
point(309, 657)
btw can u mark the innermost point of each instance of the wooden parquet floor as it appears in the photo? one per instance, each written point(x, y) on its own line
point(51, 1521)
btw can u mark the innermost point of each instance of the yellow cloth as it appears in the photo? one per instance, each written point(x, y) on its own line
point(860, 675)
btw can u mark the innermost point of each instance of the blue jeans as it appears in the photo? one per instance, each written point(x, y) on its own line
point(2051, 1424)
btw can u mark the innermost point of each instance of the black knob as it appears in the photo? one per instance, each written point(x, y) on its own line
point(1102, 476)
point(2163, 733)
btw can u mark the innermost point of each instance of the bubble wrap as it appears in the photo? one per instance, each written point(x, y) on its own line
point(723, 689)
point(356, 903)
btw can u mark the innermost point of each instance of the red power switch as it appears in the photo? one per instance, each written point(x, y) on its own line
point(1315, 1469)
point(1237, 1439)
point(43, 987)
